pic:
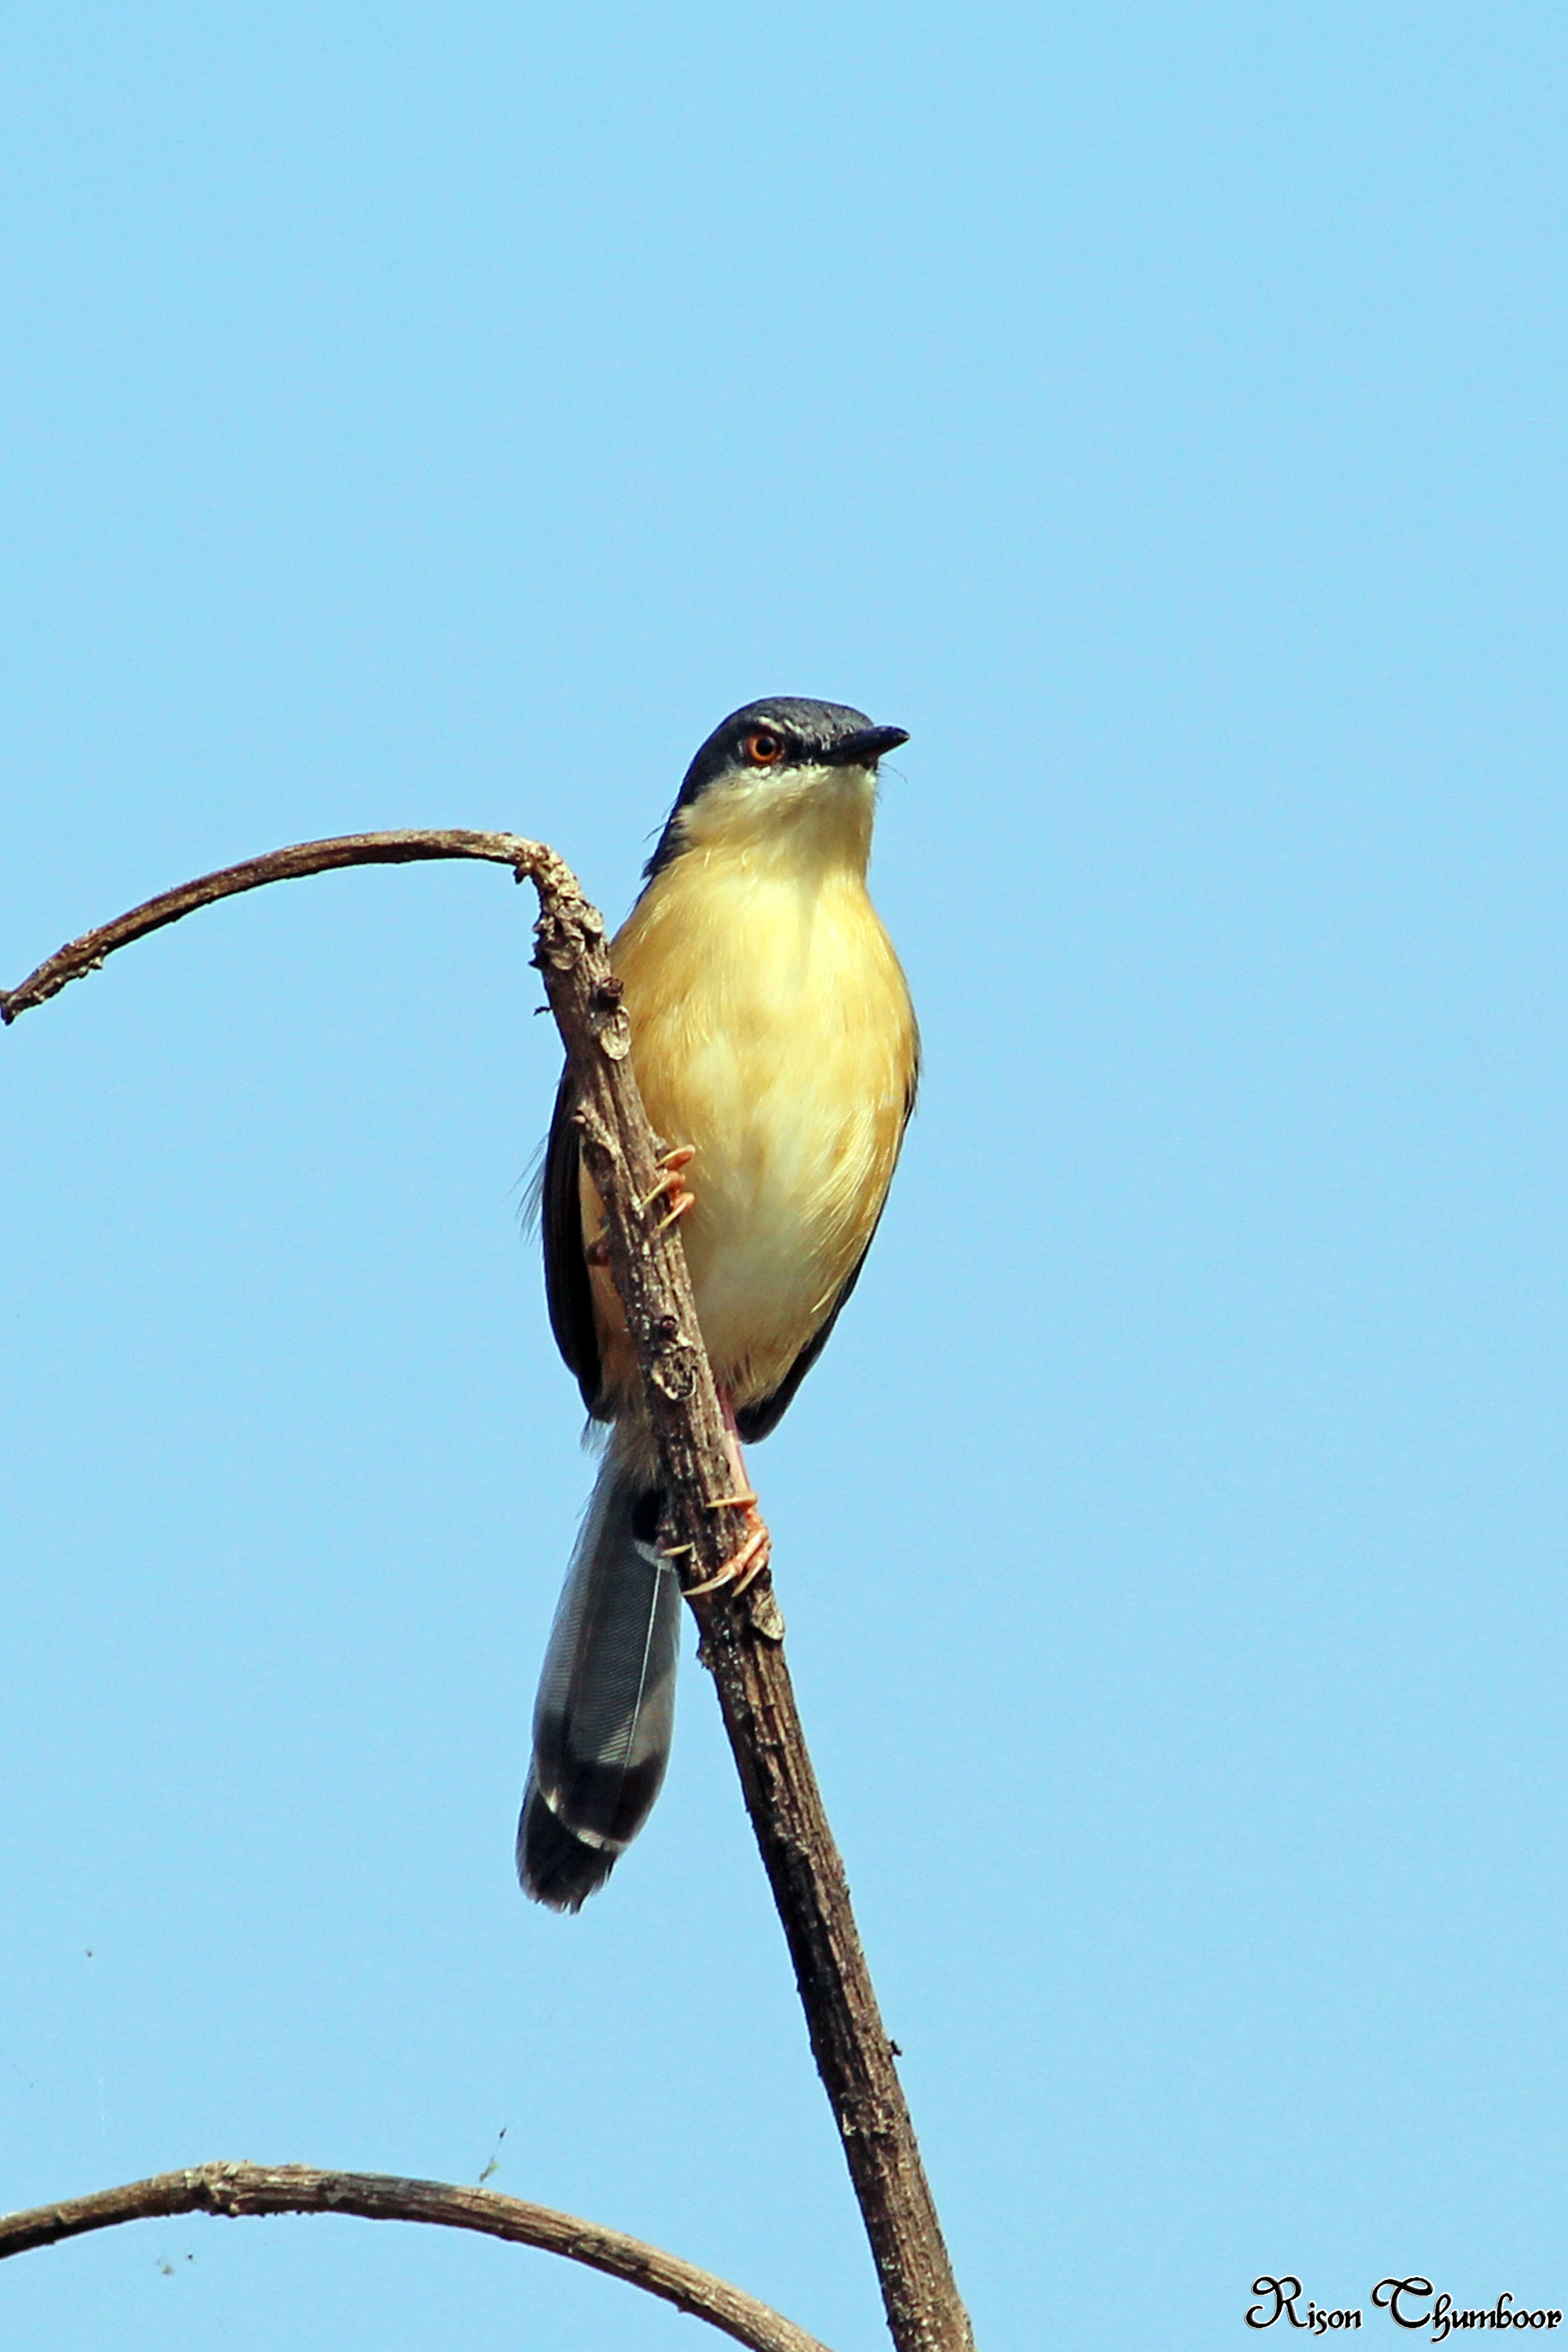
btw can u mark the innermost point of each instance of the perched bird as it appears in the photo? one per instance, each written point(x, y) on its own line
point(775, 1048)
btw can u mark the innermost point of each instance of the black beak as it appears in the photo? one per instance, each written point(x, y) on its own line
point(864, 750)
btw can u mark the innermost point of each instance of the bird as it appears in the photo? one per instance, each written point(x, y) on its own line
point(776, 1051)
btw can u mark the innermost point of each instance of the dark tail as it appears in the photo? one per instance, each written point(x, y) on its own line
point(606, 1709)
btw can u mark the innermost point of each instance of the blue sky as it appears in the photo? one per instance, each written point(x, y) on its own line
point(420, 415)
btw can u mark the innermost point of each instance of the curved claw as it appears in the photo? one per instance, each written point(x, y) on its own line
point(741, 1568)
point(762, 1543)
point(683, 1200)
point(672, 1164)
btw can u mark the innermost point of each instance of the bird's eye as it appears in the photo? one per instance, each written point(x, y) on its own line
point(764, 749)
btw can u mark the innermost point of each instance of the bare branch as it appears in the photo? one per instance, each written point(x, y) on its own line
point(78, 957)
point(741, 1640)
point(743, 1644)
point(236, 2189)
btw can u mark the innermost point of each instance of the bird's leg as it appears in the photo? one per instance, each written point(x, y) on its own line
point(746, 1564)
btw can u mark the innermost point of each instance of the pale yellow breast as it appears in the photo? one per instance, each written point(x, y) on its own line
point(772, 1029)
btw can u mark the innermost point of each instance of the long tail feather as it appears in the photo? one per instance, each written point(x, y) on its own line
point(606, 1709)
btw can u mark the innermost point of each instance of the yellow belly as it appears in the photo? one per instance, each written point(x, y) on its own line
point(771, 1030)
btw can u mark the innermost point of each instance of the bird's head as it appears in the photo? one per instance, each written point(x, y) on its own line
point(776, 768)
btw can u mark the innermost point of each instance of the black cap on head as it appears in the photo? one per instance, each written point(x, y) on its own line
point(781, 732)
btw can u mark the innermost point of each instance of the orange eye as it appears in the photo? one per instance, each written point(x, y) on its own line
point(764, 749)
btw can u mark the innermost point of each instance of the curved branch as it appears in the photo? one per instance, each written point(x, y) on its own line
point(78, 957)
point(236, 2189)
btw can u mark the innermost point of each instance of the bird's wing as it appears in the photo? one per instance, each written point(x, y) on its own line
point(756, 1420)
point(568, 1287)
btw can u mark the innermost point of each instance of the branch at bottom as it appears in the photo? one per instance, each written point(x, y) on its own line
point(239, 2188)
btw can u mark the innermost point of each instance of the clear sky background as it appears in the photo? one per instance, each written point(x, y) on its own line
point(419, 415)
